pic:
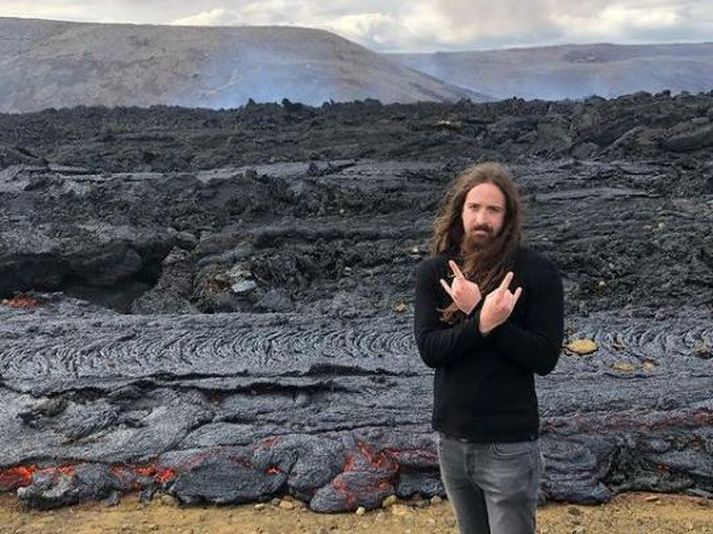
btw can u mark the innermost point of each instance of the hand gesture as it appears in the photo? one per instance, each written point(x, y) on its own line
point(498, 305)
point(464, 293)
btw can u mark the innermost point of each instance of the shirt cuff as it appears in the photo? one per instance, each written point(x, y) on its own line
point(473, 323)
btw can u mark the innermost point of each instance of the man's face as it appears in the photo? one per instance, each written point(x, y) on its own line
point(483, 215)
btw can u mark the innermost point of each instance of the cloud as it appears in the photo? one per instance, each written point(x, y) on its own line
point(477, 24)
point(617, 22)
point(48, 9)
point(270, 12)
point(376, 30)
point(419, 25)
point(214, 17)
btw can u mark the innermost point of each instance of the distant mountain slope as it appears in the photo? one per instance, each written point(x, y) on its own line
point(572, 71)
point(61, 64)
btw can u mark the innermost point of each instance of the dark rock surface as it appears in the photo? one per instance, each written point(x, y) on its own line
point(230, 332)
point(169, 139)
point(239, 407)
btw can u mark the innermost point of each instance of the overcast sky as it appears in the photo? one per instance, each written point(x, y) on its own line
point(417, 25)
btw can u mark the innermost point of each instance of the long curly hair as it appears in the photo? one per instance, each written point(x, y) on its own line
point(488, 265)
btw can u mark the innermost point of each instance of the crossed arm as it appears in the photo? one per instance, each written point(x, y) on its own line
point(534, 346)
point(440, 344)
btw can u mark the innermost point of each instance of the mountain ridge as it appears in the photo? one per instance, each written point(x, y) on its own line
point(63, 64)
point(558, 72)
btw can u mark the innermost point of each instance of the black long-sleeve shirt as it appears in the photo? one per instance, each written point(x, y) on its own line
point(484, 387)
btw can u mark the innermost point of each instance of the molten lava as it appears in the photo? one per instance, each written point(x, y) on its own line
point(21, 475)
point(23, 302)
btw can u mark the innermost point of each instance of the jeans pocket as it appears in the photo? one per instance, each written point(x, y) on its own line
point(511, 450)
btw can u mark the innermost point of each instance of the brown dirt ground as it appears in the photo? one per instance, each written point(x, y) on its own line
point(627, 514)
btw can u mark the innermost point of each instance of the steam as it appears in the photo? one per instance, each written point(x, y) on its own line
point(265, 70)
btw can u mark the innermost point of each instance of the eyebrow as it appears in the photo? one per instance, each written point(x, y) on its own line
point(487, 205)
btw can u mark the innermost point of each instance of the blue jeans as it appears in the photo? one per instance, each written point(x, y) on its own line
point(492, 487)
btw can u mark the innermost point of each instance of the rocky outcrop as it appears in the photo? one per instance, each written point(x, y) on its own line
point(233, 408)
point(239, 332)
point(162, 139)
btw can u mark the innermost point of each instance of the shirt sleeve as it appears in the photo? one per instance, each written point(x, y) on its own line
point(440, 344)
point(536, 346)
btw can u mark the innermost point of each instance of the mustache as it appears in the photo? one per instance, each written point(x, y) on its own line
point(482, 227)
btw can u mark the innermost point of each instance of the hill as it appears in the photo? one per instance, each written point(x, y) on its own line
point(64, 64)
point(572, 71)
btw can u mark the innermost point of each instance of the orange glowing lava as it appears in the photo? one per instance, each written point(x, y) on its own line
point(379, 460)
point(159, 474)
point(16, 477)
point(21, 475)
point(23, 302)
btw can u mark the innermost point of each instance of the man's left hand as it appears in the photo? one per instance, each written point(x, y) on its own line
point(498, 305)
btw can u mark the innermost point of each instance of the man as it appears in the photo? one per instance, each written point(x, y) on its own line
point(486, 350)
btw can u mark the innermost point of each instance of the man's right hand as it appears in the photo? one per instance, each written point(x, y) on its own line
point(498, 305)
point(464, 293)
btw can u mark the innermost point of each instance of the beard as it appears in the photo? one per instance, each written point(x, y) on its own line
point(475, 241)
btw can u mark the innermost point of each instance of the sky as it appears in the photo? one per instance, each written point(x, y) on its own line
point(417, 25)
